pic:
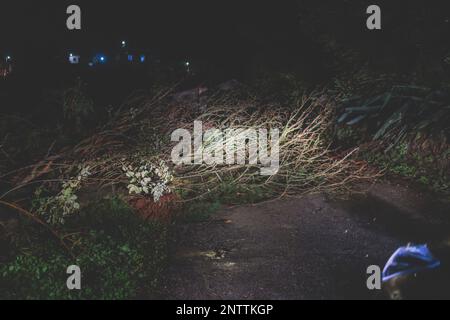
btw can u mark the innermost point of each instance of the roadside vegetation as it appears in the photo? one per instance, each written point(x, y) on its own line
point(93, 184)
point(105, 201)
point(122, 256)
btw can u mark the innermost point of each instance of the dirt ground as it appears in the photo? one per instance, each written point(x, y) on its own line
point(307, 248)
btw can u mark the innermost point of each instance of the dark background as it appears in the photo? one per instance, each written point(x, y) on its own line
point(231, 33)
point(312, 40)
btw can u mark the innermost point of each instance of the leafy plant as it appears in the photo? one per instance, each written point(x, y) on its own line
point(77, 106)
point(199, 211)
point(55, 209)
point(399, 111)
point(120, 257)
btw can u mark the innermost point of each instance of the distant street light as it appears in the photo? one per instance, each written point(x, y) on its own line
point(188, 68)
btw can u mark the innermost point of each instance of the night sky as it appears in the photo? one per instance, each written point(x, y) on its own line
point(233, 32)
point(177, 28)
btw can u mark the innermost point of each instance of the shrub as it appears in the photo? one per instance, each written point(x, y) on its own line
point(77, 107)
point(120, 257)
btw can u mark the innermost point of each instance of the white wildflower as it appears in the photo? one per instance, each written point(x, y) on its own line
point(148, 179)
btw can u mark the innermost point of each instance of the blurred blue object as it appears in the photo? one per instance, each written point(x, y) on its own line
point(409, 260)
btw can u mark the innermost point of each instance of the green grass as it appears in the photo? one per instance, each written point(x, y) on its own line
point(120, 256)
point(234, 193)
point(200, 211)
point(403, 162)
point(227, 193)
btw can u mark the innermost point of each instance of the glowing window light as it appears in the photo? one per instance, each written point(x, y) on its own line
point(142, 58)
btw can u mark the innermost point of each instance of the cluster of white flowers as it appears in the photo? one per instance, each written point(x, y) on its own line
point(148, 178)
point(133, 112)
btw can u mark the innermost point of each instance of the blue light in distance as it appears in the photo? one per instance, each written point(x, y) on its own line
point(142, 58)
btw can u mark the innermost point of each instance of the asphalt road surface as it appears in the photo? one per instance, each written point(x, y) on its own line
point(307, 248)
